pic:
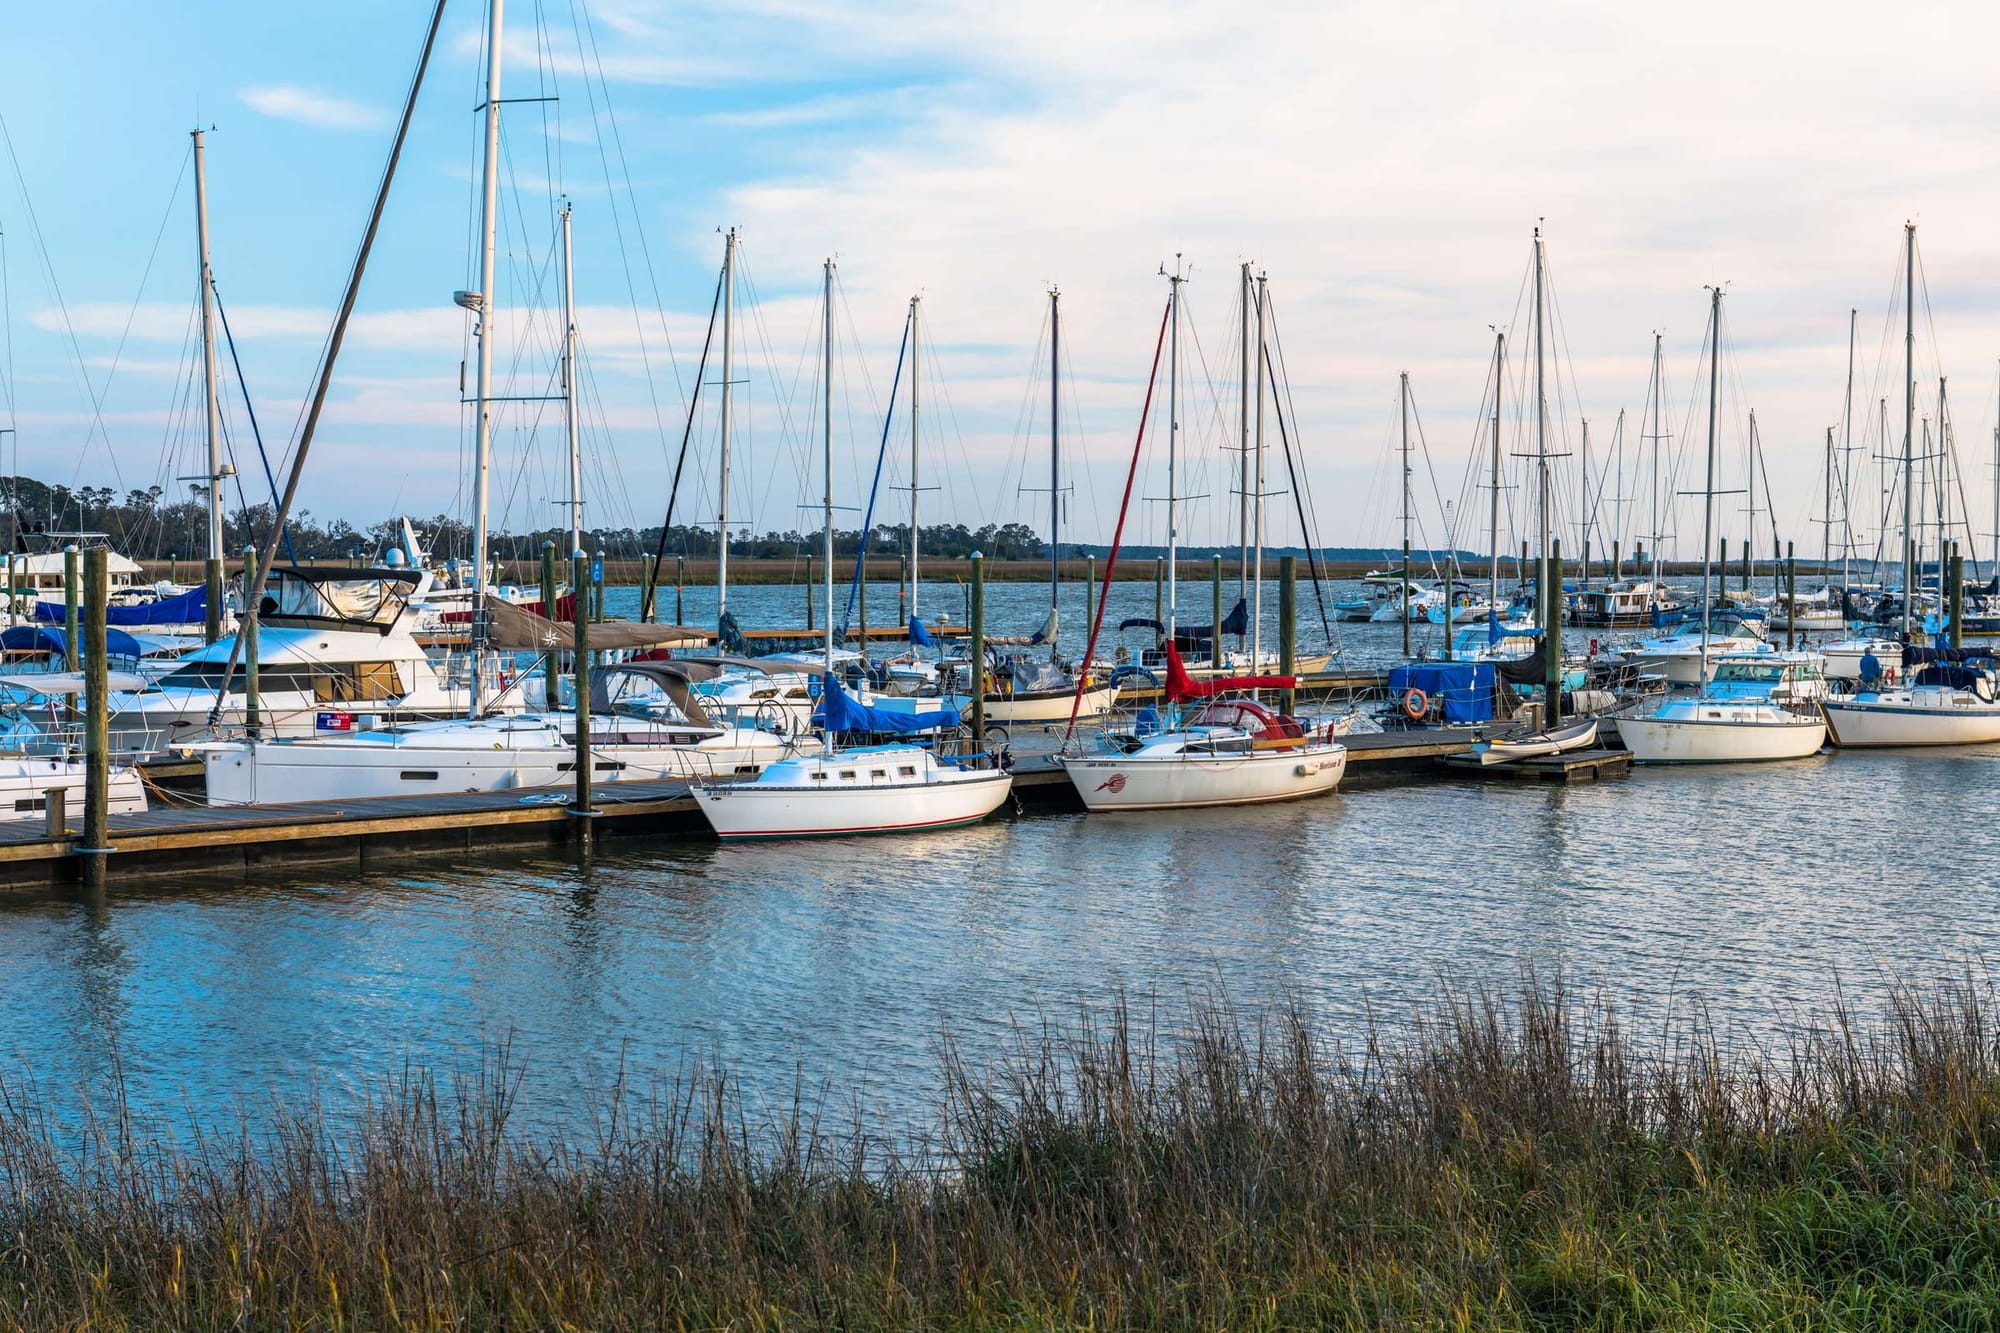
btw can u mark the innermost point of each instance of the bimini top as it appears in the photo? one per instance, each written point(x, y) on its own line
point(336, 597)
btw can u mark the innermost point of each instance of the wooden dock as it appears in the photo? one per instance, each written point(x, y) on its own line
point(189, 839)
point(1575, 766)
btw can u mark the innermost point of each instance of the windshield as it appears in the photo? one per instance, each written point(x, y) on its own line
point(1749, 673)
point(290, 595)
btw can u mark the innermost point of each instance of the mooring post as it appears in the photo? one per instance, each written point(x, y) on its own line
point(680, 589)
point(1522, 568)
point(1288, 627)
point(646, 613)
point(863, 607)
point(1552, 636)
point(251, 720)
point(551, 692)
point(580, 646)
point(96, 720)
point(173, 568)
point(1406, 598)
point(903, 591)
point(597, 583)
point(1159, 588)
point(809, 592)
point(1791, 597)
point(1215, 639)
point(1746, 565)
point(1957, 602)
point(69, 607)
point(211, 598)
point(977, 615)
point(1089, 596)
point(1617, 564)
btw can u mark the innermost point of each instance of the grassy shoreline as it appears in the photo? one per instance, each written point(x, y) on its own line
point(1507, 1164)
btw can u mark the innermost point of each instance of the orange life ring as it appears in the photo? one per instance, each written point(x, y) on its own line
point(1416, 704)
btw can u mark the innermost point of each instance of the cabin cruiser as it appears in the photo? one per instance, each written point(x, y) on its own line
point(1682, 656)
point(643, 722)
point(1824, 611)
point(1623, 604)
point(334, 645)
point(1948, 699)
point(1755, 706)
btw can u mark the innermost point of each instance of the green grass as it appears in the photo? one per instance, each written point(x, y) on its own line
point(1511, 1163)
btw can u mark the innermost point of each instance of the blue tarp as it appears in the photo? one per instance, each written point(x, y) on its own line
point(188, 608)
point(1466, 688)
point(920, 636)
point(840, 711)
point(44, 639)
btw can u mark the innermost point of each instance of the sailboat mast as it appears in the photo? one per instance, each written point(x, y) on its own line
point(728, 382)
point(1550, 582)
point(1708, 492)
point(1493, 500)
point(210, 405)
point(1583, 574)
point(1174, 282)
point(1244, 299)
point(1055, 455)
point(915, 475)
point(1847, 467)
point(1403, 407)
point(1909, 415)
point(1943, 460)
point(488, 303)
point(1993, 570)
point(1750, 545)
point(1659, 367)
point(1257, 505)
point(826, 461)
point(569, 395)
point(1826, 516)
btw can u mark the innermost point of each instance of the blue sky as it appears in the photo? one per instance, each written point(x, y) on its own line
point(1386, 168)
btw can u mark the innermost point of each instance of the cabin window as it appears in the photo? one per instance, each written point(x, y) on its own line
point(362, 682)
point(419, 775)
point(878, 773)
point(907, 771)
point(819, 777)
point(31, 803)
point(847, 776)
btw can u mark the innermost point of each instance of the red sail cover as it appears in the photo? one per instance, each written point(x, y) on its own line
point(1180, 685)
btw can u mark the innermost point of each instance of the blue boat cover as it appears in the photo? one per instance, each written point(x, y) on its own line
point(188, 608)
point(840, 711)
point(1466, 688)
point(920, 636)
point(46, 639)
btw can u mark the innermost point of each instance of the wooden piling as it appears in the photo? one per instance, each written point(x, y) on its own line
point(680, 590)
point(1089, 592)
point(1160, 589)
point(1956, 597)
point(551, 693)
point(976, 614)
point(69, 607)
point(211, 613)
point(1288, 625)
point(252, 719)
point(580, 807)
point(97, 718)
point(1791, 597)
point(1552, 636)
point(1215, 639)
point(1406, 585)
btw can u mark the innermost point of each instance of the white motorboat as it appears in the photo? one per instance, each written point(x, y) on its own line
point(1943, 704)
point(1680, 657)
point(331, 641)
point(1418, 608)
point(1756, 706)
point(27, 780)
point(1234, 752)
point(1823, 611)
point(1843, 658)
point(643, 724)
point(1578, 736)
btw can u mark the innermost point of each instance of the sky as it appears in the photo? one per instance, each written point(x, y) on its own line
point(1385, 166)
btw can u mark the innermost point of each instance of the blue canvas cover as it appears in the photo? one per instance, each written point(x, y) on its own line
point(840, 711)
point(188, 608)
point(47, 639)
point(1466, 688)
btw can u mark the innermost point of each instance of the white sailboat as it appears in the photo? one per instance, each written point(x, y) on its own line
point(873, 789)
point(1757, 706)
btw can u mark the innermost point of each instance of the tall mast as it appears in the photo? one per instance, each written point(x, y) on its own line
point(569, 394)
point(1826, 517)
point(1847, 464)
point(1909, 414)
point(1493, 512)
point(1243, 450)
point(1257, 612)
point(1055, 455)
point(1659, 368)
point(728, 379)
point(1403, 409)
point(915, 477)
point(210, 405)
point(1943, 461)
point(826, 462)
point(1993, 570)
point(1751, 544)
point(1541, 410)
point(212, 577)
point(1583, 574)
point(488, 303)
point(1174, 281)
point(1708, 492)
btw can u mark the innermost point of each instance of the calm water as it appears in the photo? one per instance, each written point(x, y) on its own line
point(1750, 889)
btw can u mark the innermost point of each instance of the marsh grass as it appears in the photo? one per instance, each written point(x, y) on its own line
point(1498, 1161)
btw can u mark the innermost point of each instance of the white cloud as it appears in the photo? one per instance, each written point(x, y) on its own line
point(307, 107)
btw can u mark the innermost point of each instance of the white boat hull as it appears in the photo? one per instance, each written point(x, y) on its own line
point(1127, 782)
point(1861, 722)
point(1695, 741)
point(26, 782)
point(761, 810)
point(1581, 736)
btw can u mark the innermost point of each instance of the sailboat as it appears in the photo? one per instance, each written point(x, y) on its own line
point(1942, 703)
point(1756, 706)
point(890, 788)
